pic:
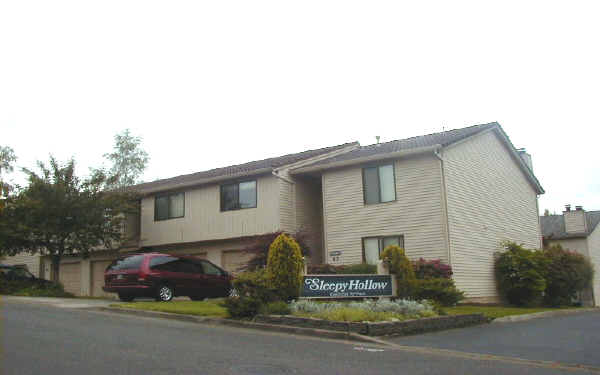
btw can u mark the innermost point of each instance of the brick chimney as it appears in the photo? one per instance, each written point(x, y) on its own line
point(575, 219)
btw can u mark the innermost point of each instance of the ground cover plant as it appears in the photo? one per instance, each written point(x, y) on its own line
point(368, 310)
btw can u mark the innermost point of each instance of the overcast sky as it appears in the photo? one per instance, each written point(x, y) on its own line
point(210, 84)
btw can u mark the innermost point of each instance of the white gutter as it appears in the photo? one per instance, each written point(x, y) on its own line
point(276, 174)
point(382, 156)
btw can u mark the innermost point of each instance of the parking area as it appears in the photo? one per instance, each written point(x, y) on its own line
point(572, 339)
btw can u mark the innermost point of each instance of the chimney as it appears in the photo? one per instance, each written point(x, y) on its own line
point(575, 219)
point(526, 158)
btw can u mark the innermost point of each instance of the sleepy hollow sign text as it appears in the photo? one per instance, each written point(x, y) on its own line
point(340, 286)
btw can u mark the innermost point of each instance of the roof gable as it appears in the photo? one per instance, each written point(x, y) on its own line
point(553, 226)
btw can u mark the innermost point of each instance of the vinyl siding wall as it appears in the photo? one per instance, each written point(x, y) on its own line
point(489, 201)
point(417, 212)
point(204, 221)
point(594, 253)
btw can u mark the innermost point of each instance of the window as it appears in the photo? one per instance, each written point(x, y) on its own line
point(239, 195)
point(211, 269)
point(373, 246)
point(129, 263)
point(379, 184)
point(169, 206)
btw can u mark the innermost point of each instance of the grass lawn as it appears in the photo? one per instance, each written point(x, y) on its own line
point(497, 311)
point(201, 308)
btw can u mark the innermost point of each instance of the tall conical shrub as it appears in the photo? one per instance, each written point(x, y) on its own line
point(284, 266)
point(399, 265)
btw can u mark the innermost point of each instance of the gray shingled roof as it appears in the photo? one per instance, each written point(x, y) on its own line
point(553, 226)
point(235, 170)
point(443, 138)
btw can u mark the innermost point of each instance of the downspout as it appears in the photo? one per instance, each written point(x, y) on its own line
point(436, 152)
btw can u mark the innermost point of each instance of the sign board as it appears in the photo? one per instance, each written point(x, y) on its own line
point(346, 286)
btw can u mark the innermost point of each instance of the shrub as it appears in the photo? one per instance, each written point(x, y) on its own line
point(329, 269)
point(276, 308)
point(366, 310)
point(284, 266)
point(242, 307)
point(567, 273)
point(33, 288)
point(520, 274)
point(439, 290)
point(399, 265)
point(258, 248)
point(253, 290)
point(360, 268)
point(431, 269)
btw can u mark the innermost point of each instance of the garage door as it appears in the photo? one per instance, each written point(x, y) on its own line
point(234, 260)
point(98, 268)
point(70, 277)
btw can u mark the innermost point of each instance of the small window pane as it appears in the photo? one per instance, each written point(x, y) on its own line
point(248, 194)
point(371, 250)
point(387, 241)
point(371, 182)
point(386, 180)
point(162, 208)
point(176, 207)
point(228, 197)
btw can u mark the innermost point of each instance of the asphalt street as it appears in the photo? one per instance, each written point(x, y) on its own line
point(567, 339)
point(48, 339)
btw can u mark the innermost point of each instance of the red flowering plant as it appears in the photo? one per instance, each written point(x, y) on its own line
point(431, 269)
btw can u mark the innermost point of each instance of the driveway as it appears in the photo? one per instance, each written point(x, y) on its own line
point(69, 303)
point(573, 339)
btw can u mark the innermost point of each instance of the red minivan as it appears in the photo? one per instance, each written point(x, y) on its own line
point(164, 276)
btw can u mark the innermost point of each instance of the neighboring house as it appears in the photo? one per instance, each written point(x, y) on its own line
point(577, 230)
point(454, 195)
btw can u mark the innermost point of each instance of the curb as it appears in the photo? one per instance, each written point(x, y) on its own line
point(314, 332)
point(543, 314)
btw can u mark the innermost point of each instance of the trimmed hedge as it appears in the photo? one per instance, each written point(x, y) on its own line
point(33, 288)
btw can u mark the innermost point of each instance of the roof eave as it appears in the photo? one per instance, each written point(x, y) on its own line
point(199, 182)
point(366, 159)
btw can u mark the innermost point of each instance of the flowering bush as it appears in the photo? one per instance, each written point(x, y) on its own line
point(431, 269)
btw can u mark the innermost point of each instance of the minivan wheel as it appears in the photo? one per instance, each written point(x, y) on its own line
point(164, 293)
point(126, 297)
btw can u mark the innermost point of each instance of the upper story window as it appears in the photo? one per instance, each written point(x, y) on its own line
point(238, 195)
point(373, 246)
point(169, 206)
point(379, 184)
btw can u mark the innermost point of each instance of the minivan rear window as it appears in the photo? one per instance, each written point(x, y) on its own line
point(129, 263)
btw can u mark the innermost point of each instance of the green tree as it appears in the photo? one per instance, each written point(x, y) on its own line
point(59, 213)
point(7, 158)
point(128, 160)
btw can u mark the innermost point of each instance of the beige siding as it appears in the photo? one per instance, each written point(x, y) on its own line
point(579, 245)
point(309, 215)
point(489, 201)
point(417, 212)
point(204, 221)
point(594, 253)
point(32, 262)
